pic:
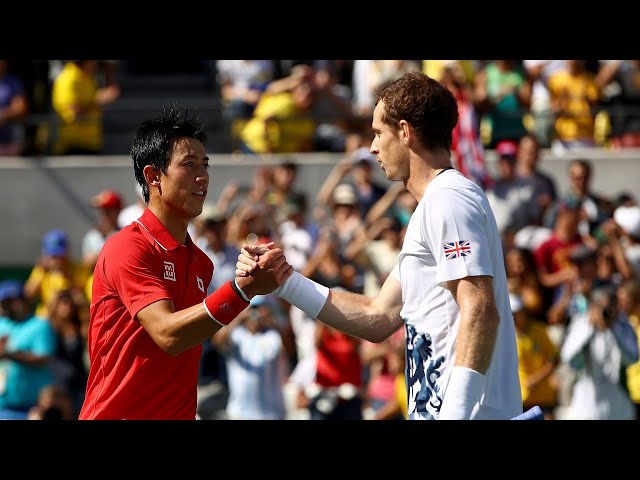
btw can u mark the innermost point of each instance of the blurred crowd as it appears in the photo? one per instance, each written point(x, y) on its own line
point(572, 257)
point(56, 107)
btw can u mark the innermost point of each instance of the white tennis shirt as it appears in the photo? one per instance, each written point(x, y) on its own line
point(451, 235)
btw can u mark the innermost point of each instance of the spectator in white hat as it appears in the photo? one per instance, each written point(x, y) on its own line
point(623, 235)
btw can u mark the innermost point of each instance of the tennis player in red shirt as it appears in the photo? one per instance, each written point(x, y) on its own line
point(149, 310)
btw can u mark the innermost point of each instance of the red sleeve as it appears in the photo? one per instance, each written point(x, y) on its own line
point(135, 272)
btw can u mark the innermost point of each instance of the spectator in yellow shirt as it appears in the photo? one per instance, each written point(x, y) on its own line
point(282, 121)
point(54, 272)
point(78, 102)
point(538, 358)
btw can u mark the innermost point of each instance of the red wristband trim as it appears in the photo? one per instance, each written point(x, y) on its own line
point(224, 304)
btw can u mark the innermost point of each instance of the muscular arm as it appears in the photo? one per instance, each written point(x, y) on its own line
point(372, 319)
point(177, 331)
point(479, 321)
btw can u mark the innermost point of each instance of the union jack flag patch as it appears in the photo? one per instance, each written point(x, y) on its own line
point(457, 249)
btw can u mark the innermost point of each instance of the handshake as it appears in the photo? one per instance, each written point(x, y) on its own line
point(261, 269)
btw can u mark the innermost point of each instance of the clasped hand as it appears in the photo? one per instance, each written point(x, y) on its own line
point(267, 265)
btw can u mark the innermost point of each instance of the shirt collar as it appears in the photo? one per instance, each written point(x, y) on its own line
point(158, 231)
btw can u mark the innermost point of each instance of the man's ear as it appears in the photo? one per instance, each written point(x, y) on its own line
point(151, 175)
point(405, 131)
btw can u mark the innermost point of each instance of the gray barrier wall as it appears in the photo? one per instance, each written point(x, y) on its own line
point(38, 194)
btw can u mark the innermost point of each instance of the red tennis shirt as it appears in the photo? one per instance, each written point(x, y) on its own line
point(130, 377)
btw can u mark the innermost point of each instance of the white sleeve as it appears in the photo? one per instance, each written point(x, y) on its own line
point(456, 234)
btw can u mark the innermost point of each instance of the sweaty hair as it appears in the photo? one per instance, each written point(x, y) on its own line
point(425, 103)
point(154, 139)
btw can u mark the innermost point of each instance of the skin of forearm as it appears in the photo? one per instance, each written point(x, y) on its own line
point(476, 334)
point(179, 331)
point(176, 332)
point(357, 315)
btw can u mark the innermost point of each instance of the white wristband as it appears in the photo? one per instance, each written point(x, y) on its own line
point(239, 290)
point(307, 295)
point(462, 394)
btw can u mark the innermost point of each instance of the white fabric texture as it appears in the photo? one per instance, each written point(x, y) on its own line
point(451, 235)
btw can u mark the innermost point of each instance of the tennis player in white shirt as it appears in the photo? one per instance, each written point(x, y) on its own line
point(449, 287)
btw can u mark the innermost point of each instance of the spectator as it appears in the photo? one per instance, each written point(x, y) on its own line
point(27, 345)
point(54, 403)
point(108, 204)
point(539, 72)
point(396, 408)
point(599, 345)
point(376, 250)
point(213, 241)
point(381, 376)
point(333, 109)
point(324, 265)
point(242, 83)
point(628, 301)
point(623, 235)
point(595, 207)
point(70, 361)
point(344, 219)
point(78, 102)
point(283, 189)
point(301, 378)
point(624, 105)
point(512, 197)
point(522, 280)
point(132, 211)
point(255, 363)
point(467, 151)
point(359, 167)
point(574, 94)
point(337, 391)
point(282, 121)
point(297, 236)
point(362, 99)
point(527, 167)
point(14, 107)
point(552, 256)
point(502, 96)
point(397, 201)
point(437, 69)
point(538, 358)
point(55, 271)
